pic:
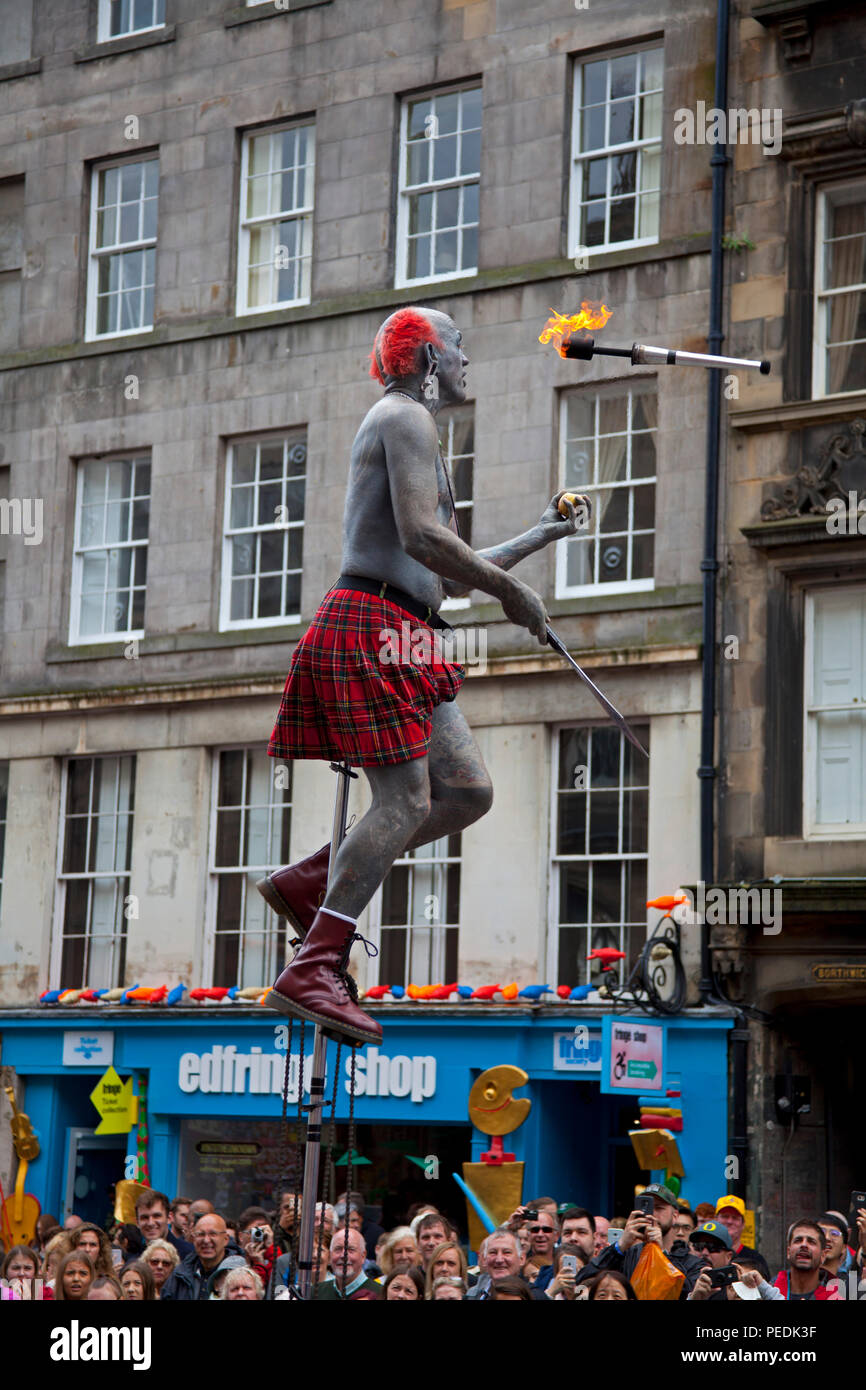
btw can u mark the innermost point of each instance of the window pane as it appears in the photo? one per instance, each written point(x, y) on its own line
point(574, 893)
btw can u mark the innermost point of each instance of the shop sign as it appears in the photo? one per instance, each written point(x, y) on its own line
point(839, 974)
point(634, 1055)
point(577, 1051)
point(226, 1071)
point(88, 1048)
point(117, 1106)
point(378, 1075)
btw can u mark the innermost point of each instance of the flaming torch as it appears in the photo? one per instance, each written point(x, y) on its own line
point(570, 338)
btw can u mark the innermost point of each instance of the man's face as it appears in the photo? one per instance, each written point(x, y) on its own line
point(663, 1214)
point(355, 1259)
point(153, 1222)
point(501, 1258)
point(453, 362)
point(429, 1239)
point(72, 1221)
point(576, 1231)
point(733, 1223)
point(356, 1220)
point(683, 1226)
point(543, 1233)
point(88, 1244)
point(805, 1251)
point(835, 1246)
point(602, 1226)
point(180, 1219)
point(210, 1239)
point(711, 1252)
point(327, 1226)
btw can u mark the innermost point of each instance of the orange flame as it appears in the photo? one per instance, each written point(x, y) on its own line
point(561, 326)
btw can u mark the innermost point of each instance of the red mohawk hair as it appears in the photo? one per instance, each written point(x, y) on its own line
point(395, 351)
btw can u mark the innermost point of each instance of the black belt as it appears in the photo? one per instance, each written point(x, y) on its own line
point(391, 594)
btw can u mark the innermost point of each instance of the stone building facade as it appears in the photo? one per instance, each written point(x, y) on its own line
point(791, 728)
point(171, 329)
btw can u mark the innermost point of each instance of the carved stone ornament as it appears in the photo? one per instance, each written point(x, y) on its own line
point(840, 470)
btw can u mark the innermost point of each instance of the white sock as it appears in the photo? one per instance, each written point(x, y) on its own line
point(342, 915)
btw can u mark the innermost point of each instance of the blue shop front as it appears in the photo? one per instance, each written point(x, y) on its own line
point(211, 1079)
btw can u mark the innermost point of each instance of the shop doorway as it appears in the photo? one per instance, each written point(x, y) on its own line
point(95, 1162)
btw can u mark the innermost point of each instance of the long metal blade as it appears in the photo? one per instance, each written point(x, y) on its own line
point(614, 713)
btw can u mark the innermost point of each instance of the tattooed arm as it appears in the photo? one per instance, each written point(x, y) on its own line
point(411, 447)
point(551, 527)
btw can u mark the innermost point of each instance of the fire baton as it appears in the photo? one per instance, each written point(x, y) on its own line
point(614, 713)
point(583, 347)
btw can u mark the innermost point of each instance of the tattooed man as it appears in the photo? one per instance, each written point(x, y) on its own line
point(343, 701)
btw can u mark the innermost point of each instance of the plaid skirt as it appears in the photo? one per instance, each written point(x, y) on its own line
point(355, 695)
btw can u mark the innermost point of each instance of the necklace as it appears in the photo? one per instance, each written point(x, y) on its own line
point(395, 391)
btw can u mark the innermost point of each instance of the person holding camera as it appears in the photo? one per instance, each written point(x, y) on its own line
point(652, 1221)
point(712, 1244)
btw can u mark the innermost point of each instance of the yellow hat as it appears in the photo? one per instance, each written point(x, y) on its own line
point(736, 1202)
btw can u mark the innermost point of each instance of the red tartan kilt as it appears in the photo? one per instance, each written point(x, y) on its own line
point(343, 702)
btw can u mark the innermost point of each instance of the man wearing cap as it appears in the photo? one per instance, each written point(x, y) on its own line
point(731, 1212)
point(640, 1229)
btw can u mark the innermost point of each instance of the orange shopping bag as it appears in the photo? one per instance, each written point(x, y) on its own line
point(655, 1277)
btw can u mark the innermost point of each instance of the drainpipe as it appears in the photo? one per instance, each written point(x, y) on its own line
point(739, 1035)
point(710, 564)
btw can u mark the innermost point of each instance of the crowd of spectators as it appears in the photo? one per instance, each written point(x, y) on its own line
point(185, 1250)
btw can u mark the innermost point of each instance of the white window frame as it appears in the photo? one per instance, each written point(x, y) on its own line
point(104, 34)
point(822, 297)
point(214, 873)
point(76, 638)
point(579, 157)
point(303, 214)
point(554, 860)
point(119, 940)
point(95, 255)
point(226, 622)
point(402, 280)
point(437, 929)
point(812, 829)
point(620, 586)
point(464, 506)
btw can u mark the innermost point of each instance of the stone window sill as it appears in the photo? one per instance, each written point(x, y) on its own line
point(127, 43)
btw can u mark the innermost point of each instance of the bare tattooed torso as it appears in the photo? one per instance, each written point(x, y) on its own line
point(371, 543)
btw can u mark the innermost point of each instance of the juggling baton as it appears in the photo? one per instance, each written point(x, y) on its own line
point(614, 713)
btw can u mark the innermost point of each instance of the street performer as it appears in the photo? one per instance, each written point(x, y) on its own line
point(343, 701)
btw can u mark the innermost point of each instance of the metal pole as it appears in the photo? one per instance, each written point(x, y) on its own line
point(313, 1146)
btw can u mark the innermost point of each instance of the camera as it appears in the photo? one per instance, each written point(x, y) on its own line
point(257, 1234)
point(721, 1278)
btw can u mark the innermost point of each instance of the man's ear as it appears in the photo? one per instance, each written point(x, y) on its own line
point(432, 357)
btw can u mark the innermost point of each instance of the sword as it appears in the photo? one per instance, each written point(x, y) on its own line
point(614, 713)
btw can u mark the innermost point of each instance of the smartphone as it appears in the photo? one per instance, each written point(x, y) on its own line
point(569, 1262)
point(721, 1278)
point(613, 1234)
point(645, 1203)
point(857, 1200)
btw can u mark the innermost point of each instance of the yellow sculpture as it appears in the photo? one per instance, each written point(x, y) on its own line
point(497, 1181)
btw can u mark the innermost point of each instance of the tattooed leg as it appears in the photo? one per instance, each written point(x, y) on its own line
point(460, 787)
point(401, 804)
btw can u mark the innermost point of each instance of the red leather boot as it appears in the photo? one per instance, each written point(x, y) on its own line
point(297, 892)
point(317, 987)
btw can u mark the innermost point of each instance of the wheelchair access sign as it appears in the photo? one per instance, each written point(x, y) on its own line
point(632, 1055)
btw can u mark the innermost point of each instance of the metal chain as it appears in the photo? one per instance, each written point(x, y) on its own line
point(296, 1234)
point(350, 1167)
point(328, 1166)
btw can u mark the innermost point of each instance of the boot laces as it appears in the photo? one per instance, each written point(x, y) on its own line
point(348, 981)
